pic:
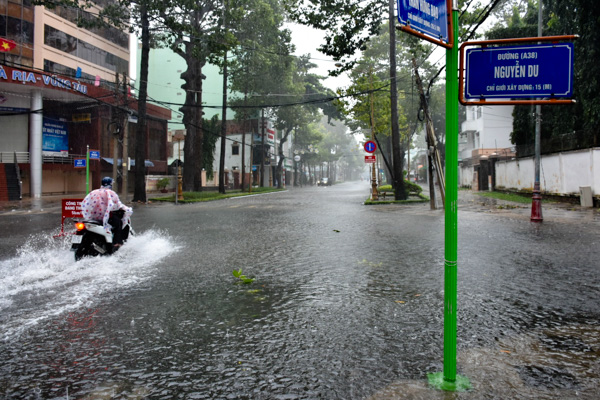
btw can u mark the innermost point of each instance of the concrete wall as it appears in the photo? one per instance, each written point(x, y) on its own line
point(561, 173)
point(465, 176)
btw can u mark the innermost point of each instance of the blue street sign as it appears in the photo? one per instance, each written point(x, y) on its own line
point(79, 163)
point(429, 17)
point(535, 70)
point(94, 154)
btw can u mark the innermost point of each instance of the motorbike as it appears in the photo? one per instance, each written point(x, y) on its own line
point(91, 240)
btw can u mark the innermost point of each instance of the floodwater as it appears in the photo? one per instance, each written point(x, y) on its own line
point(346, 303)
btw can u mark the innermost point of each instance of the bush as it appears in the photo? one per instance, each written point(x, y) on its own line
point(411, 187)
point(162, 183)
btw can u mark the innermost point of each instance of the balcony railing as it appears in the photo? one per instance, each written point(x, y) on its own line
point(22, 157)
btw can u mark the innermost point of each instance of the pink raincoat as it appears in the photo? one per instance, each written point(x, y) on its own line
point(98, 204)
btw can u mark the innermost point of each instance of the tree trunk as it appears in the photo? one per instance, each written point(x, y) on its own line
point(281, 158)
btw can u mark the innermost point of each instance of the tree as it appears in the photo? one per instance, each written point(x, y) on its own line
point(306, 86)
point(192, 31)
point(261, 62)
point(349, 25)
point(563, 127)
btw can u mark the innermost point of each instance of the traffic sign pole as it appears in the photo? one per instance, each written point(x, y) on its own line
point(448, 379)
point(451, 217)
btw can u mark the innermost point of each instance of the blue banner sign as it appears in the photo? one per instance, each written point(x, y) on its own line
point(94, 154)
point(429, 17)
point(531, 71)
point(55, 137)
point(79, 163)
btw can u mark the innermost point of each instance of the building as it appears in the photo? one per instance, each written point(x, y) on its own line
point(239, 136)
point(484, 138)
point(58, 96)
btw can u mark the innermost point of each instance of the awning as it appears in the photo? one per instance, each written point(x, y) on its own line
point(147, 163)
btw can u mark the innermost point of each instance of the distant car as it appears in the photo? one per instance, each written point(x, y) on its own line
point(323, 182)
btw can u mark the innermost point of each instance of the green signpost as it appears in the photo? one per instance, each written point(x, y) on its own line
point(422, 11)
point(449, 380)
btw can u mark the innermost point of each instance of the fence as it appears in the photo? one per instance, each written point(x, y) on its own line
point(561, 173)
point(22, 157)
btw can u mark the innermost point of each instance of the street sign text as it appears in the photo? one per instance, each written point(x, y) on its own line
point(531, 71)
point(429, 17)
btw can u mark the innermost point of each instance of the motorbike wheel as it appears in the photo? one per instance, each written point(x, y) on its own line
point(86, 248)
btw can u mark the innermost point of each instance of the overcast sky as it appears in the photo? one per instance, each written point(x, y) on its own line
point(307, 40)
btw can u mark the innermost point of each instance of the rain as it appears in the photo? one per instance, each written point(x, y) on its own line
point(346, 302)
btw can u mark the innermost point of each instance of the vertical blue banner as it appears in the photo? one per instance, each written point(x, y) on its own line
point(55, 137)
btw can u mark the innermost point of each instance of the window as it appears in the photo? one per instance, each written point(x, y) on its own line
point(235, 149)
point(79, 48)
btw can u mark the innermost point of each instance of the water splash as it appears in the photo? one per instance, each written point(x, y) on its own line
point(43, 279)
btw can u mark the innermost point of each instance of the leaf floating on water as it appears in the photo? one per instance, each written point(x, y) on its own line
point(335, 230)
point(417, 295)
point(400, 301)
point(505, 351)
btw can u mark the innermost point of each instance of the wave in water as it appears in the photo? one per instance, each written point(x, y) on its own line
point(44, 280)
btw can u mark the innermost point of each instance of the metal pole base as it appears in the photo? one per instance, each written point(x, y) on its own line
point(437, 381)
point(536, 206)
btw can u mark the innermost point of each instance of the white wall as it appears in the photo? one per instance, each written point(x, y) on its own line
point(465, 176)
point(497, 121)
point(561, 173)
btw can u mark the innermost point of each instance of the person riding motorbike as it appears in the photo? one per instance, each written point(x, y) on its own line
point(104, 205)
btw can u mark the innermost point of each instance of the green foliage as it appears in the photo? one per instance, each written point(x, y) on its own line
point(347, 25)
point(564, 127)
point(409, 186)
point(412, 187)
point(242, 278)
point(162, 183)
point(212, 128)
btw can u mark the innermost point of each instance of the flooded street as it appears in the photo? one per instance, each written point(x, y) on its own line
point(347, 302)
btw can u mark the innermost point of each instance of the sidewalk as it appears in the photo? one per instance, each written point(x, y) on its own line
point(469, 200)
point(53, 203)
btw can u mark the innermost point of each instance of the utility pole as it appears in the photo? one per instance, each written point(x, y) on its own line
point(224, 112)
point(262, 145)
point(536, 198)
point(243, 165)
point(125, 142)
point(397, 147)
point(116, 133)
point(433, 153)
point(374, 193)
point(251, 180)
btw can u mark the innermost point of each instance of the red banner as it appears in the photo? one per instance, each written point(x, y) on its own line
point(71, 208)
point(7, 45)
